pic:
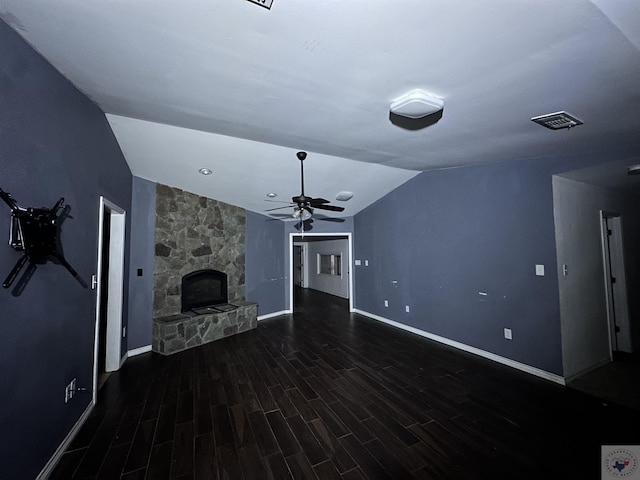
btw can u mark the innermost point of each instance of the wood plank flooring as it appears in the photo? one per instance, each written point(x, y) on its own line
point(324, 394)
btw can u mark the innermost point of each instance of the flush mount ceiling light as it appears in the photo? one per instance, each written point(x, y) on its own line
point(416, 104)
point(205, 171)
point(557, 120)
point(272, 195)
point(633, 170)
point(344, 196)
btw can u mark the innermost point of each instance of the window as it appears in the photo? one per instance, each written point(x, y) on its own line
point(330, 264)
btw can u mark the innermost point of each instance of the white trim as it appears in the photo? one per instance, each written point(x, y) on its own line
point(350, 263)
point(271, 315)
point(123, 359)
point(139, 351)
point(116, 287)
point(467, 348)
point(55, 458)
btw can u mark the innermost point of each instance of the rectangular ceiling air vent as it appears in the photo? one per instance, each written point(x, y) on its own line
point(263, 3)
point(557, 120)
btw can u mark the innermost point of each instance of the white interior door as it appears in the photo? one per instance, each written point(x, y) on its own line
point(111, 245)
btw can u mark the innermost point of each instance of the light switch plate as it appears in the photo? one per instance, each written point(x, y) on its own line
point(540, 270)
point(358, 263)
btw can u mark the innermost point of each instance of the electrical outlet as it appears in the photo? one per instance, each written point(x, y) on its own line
point(540, 270)
point(507, 334)
point(386, 303)
point(406, 308)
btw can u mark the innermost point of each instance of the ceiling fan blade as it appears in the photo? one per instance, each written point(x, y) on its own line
point(332, 208)
point(278, 201)
point(330, 219)
point(278, 208)
point(317, 201)
point(281, 215)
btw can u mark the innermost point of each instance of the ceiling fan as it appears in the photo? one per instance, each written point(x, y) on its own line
point(304, 206)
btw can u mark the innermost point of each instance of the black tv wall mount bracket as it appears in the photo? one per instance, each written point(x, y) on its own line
point(34, 231)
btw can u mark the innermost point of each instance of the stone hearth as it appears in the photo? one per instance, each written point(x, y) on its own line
point(176, 333)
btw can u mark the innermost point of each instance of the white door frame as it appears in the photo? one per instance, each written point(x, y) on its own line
point(349, 263)
point(115, 285)
point(613, 258)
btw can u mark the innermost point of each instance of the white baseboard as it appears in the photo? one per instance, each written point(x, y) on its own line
point(138, 351)
point(274, 314)
point(467, 348)
point(123, 359)
point(55, 458)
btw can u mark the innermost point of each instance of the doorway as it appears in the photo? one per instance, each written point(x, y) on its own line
point(109, 285)
point(615, 283)
point(298, 265)
point(337, 283)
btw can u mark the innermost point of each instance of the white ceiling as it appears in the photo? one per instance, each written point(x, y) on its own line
point(239, 89)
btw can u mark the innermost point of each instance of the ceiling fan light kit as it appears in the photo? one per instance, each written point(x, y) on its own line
point(302, 213)
point(416, 104)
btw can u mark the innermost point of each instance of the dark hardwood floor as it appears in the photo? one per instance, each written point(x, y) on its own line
point(330, 395)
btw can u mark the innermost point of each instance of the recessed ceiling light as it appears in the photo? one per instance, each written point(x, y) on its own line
point(633, 170)
point(272, 195)
point(205, 171)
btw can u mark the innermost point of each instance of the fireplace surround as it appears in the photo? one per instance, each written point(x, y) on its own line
point(203, 288)
point(193, 235)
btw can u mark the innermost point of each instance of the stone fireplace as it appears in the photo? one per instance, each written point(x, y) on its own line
point(203, 241)
point(195, 233)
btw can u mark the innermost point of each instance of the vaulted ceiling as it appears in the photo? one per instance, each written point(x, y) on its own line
point(238, 88)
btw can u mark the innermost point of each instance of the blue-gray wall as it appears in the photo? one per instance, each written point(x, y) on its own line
point(53, 142)
point(447, 235)
point(143, 221)
point(265, 263)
